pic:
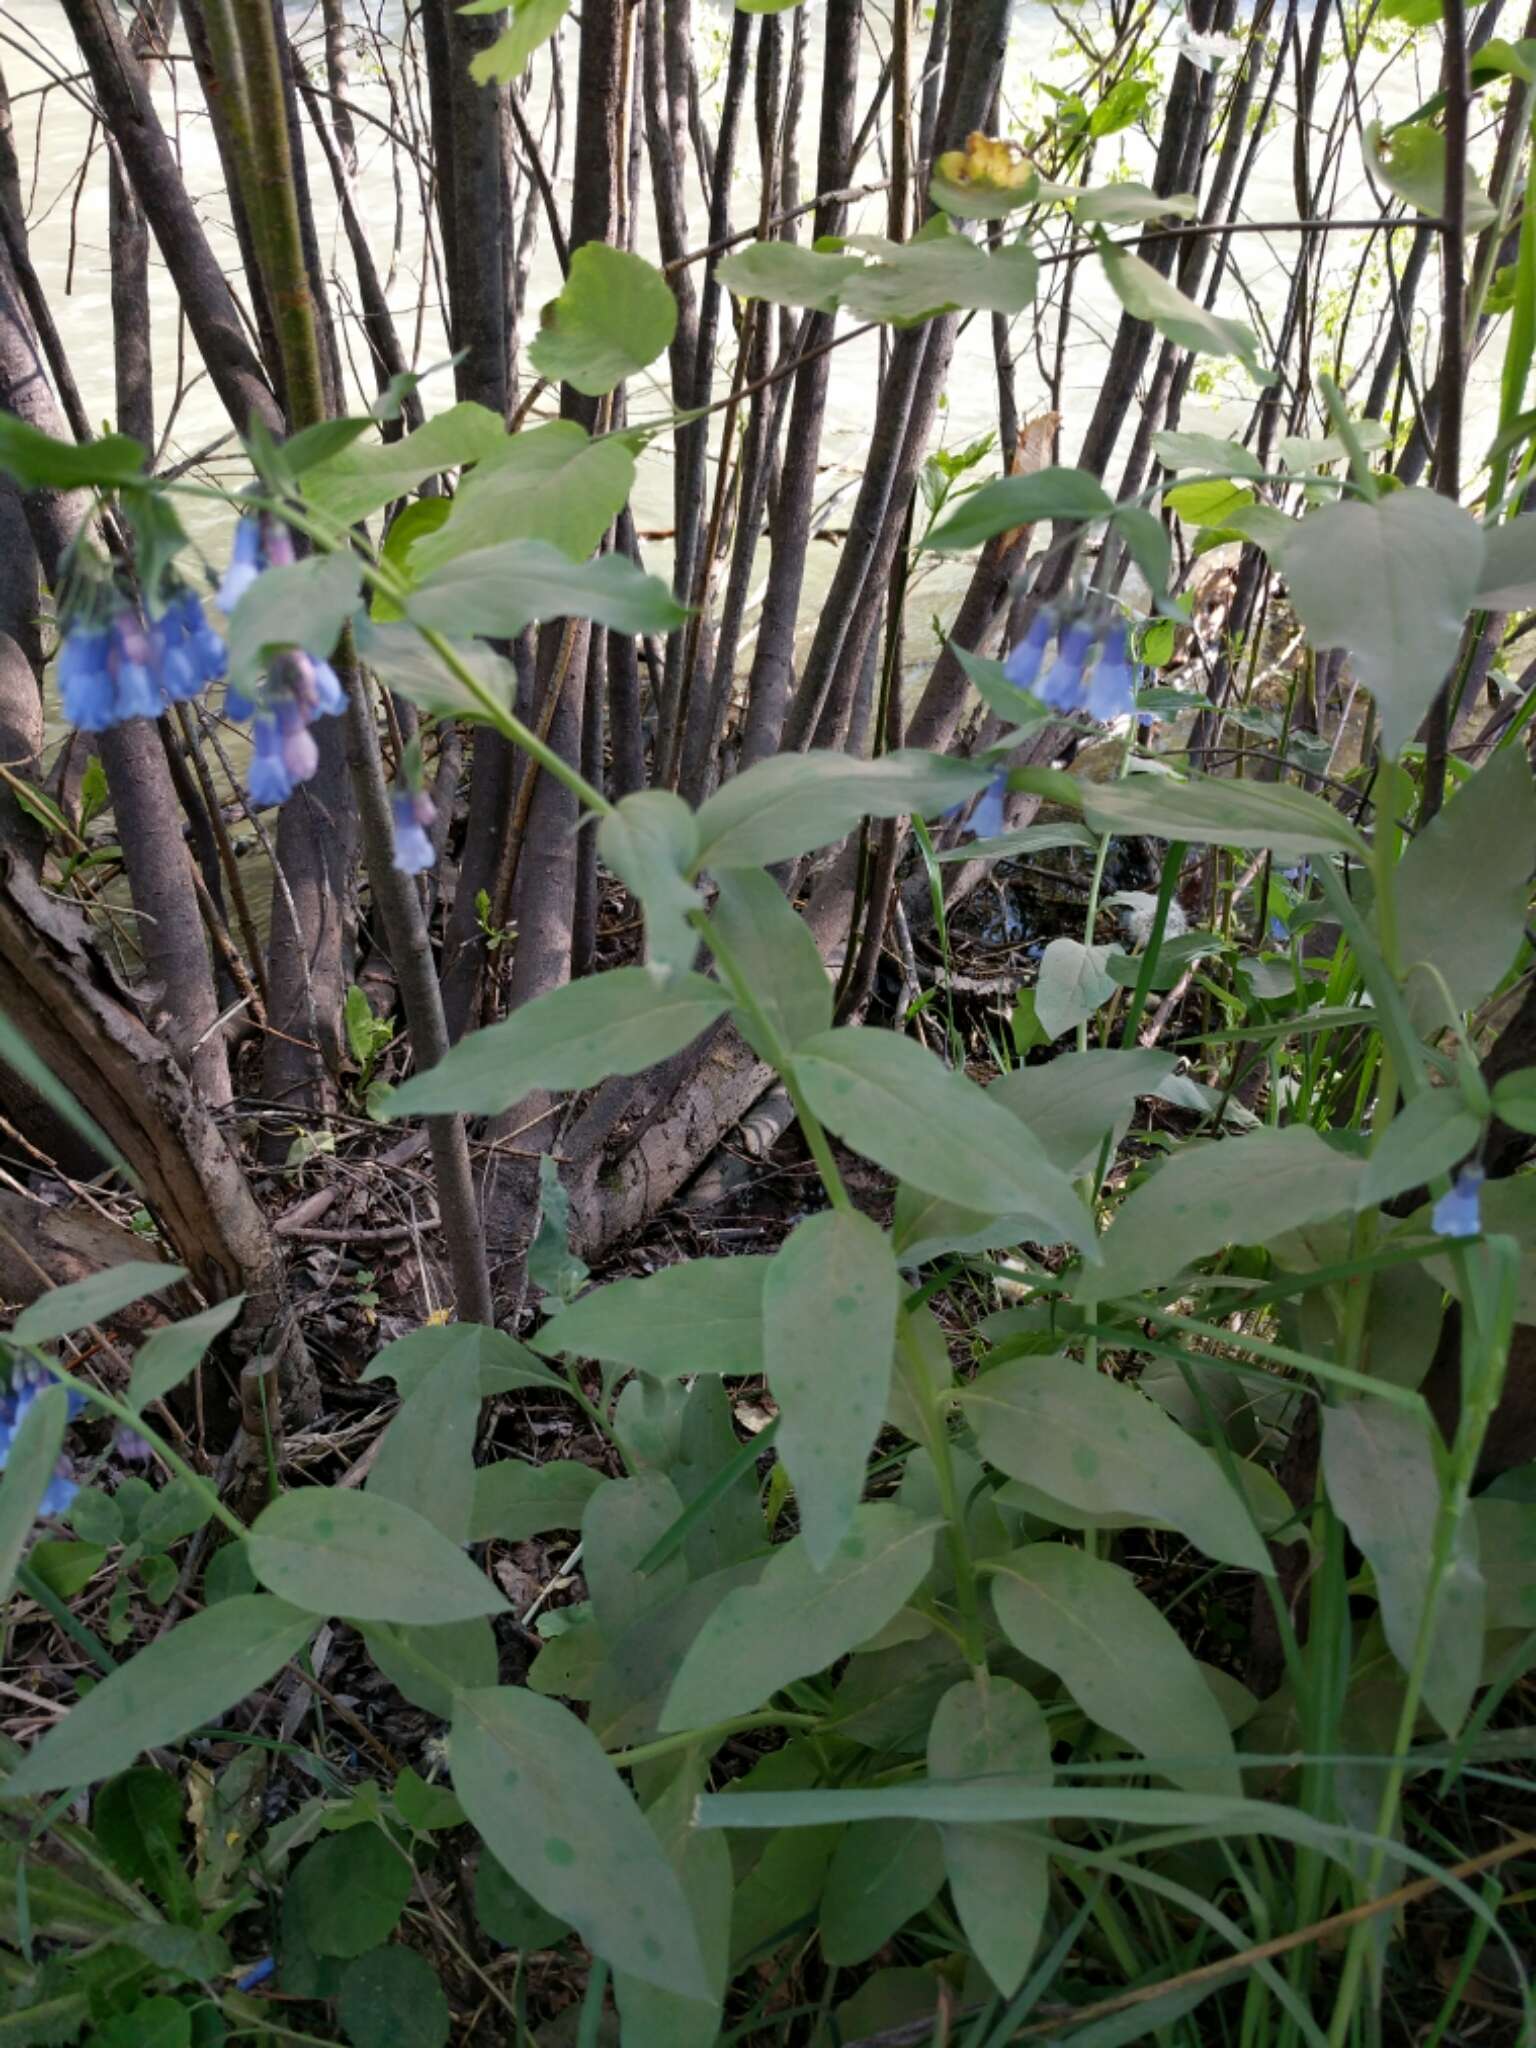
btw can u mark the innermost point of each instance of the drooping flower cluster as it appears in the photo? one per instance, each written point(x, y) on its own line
point(28, 1380)
point(261, 542)
point(1105, 691)
point(413, 814)
point(122, 666)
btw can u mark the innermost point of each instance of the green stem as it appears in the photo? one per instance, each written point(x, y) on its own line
point(936, 1428)
point(714, 1735)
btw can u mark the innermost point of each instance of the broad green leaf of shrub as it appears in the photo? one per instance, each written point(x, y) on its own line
point(1099, 1445)
point(1147, 543)
point(650, 840)
point(792, 803)
point(505, 1365)
point(622, 1523)
point(1072, 984)
point(551, 482)
point(787, 274)
point(34, 1452)
point(1317, 451)
point(1391, 583)
point(1072, 1102)
point(167, 1355)
point(880, 1875)
point(896, 1102)
point(500, 590)
point(1427, 1137)
point(1209, 809)
point(1207, 453)
point(1020, 501)
point(776, 954)
point(702, 1315)
point(554, 1813)
point(359, 480)
point(426, 1457)
point(1462, 889)
point(514, 1501)
point(615, 315)
point(533, 22)
point(1379, 1468)
point(1514, 1099)
point(1028, 839)
point(333, 1550)
point(1508, 580)
point(1125, 205)
point(1411, 159)
point(205, 1666)
point(796, 1620)
point(653, 2018)
point(829, 1327)
point(38, 462)
point(999, 1876)
point(95, 1300)
point(1121, 1661)
point(766, 6)
point(508, 1914)
point(575, 1036)
point(1147, 295)
point(429, 1665)
point(1208, 501)
point(1244, 1190)
point(305, 606)
point(391, 1998)
point(940, 270)
point(352, 1890)
point(629, 1689)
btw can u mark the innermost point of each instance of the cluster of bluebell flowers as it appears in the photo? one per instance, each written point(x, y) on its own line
point(121, 665)
point(1106, 690)
point(28, 1380)
point(413, 814)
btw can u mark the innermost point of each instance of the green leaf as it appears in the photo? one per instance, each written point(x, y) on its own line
point(426, 1458)
point(1072, 1102)
point(1303, 451)
point(939, 271)
point(508, 1914)
point(168, 1355)
point(1209, 501)
point(32, 1457)
point(352, 1889)
point(829, 1327)
point(533, 23)
point(702, 1315)
point(776, 954)
point(1514, 1099)
point(1410, 157)
point(514, 1501)
point(792, 803)
point(1426, 1138)
point(1099, 1445)
point(554, 1812)
point(551, 483)
point(1391, 582)
point(1073, 983)
point(1125, 102)
point(392, 1999)
point(1147, 543)
point(178, 1509)
point(1020, 501)
point(796, 1620)
point(305, 606)
point(505, 1365)
point(1028, 839)
point(1205, 808)
point(333, 1550)
point(430, 1665)
point(399, 657)
point(881, 1874)
point(1247, 1190)
point(426, 1807)
point(1380, 1470)
point(205, 1666)
point(137, 1819)
point(653, 2018)
point(765, 6)
point(314, 445)
point(1497, 58)
point(1462, 889)
point(895, 1101)
point(1147, 295)
point(1125, 205)
point(501, 590)
point(96, 1300)
point(413, 523)
point(651, 840)
point(615, 315)
point(999, 1876)
point(67, 1568)
point(37, 462)
point(152, 2023)
point(575, 1036)
point(788, 274)
point(1208, 453)
point(1085, 1620)
point(359, 480)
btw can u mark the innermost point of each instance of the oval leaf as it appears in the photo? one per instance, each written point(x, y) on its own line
point(332, 1550)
